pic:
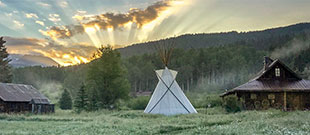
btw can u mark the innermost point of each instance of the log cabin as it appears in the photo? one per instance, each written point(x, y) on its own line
point(19, 98)
point(275, 86)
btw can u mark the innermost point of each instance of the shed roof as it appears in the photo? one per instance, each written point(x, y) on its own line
point(19, 93)
point(39, 101)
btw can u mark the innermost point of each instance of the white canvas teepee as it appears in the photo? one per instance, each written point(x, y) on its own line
point(168, 98)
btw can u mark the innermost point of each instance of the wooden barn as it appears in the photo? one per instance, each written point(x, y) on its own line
point(275, 86)
point(23, 98)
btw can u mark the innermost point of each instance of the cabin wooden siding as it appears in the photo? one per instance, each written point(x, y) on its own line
point(294, 100)
point(7, 107)
point(23, 107)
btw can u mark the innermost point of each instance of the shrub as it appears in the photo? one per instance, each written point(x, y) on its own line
point(205, 100)
point(214, 100)
point(139, 103)
point(232, 104)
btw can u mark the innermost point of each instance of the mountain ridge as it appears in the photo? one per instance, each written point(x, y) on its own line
point(18, 60)
point(261, 39)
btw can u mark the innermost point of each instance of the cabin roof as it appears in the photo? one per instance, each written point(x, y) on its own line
point(258, 84)
point(269, 67)
point(10, 92)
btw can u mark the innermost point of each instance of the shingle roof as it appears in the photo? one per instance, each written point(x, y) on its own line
point(19, 93)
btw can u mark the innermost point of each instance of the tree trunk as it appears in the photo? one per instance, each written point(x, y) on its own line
point(188, 81)
point(147, 85)
point(135, 85)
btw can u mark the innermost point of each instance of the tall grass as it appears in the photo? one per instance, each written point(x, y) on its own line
point(213, 120)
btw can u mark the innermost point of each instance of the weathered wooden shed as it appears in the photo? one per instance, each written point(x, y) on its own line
point(275, 86)
point(23, 98)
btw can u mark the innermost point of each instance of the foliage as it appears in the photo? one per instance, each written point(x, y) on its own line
point(5, 69)
point(200, 69)
point(266, 40)
point(81, 101)
point(232, 104)
point(205, 100)
point(139, 103)
point(107, 78)
point(65, 101)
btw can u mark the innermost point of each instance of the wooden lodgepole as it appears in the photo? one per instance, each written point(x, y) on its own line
point(285, 102)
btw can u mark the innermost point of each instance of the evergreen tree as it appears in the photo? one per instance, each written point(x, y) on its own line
point(5, 69)
point(93, 102)
point(80, 103)
point(108, 77)
point(65, 101)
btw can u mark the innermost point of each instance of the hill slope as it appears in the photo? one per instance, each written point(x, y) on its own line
point(31, 60)
point(265, 39)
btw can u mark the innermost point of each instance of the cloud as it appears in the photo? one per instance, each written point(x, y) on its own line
point(65, 55)
point(54, 18)
point(109, 20)
point(43, 4)
point(8, 14)
point(40, 22)
point(2, 4)
point(81, 12)
point(63, 4)
point(31, 15)
point(11, 41)
point(17, 24)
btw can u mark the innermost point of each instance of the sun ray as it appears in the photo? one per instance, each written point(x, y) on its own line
point(92, 34)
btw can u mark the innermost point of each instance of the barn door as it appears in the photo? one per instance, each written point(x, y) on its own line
point(293, 101)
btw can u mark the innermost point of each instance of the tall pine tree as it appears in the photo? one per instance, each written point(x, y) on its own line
point(65, 101)
point(5, 69)
point(81, 102)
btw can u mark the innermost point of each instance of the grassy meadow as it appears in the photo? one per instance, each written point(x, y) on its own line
point(211, 121)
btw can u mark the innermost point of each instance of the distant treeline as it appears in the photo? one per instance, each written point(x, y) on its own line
point(214, 68)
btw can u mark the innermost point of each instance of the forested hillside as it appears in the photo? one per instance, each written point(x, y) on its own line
point(267, 39)
point(205, 62)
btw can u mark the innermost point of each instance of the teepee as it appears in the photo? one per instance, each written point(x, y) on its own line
point(168, 98)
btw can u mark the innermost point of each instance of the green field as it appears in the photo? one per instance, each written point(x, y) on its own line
point(207, 121)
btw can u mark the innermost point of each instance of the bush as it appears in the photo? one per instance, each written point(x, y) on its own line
point(139, 103)
point(231, 104)
point(205, 100)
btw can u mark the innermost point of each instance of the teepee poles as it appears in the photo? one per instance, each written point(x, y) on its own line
point(165, 49)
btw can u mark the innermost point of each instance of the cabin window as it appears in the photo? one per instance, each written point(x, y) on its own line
point(271, 96)
point(253, 96)
point(277, 70)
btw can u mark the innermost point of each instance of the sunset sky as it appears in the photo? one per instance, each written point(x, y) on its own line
point(69, 31)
